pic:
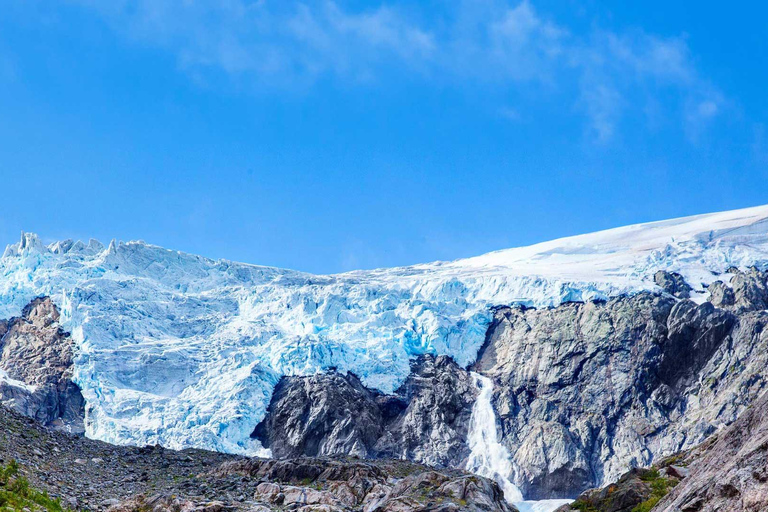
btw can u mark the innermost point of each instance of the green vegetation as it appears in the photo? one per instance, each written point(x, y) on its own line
point(583, 506)
point(660, 487)
point(17, 495)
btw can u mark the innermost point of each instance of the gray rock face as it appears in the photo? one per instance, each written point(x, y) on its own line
point(433, 428)
point(750, 290)
point(586, 391)
point(583, 392)
point(731, 470)
point(672, 283)
point(325, 414)
point(35, 352)
point(332, 414)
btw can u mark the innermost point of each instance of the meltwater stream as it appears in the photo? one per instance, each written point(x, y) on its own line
point(491, 459)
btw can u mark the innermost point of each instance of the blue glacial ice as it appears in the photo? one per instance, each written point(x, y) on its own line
point(184, 351)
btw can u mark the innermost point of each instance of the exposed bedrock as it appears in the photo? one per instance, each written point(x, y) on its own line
point(730, 471)
point(727, 472)
point(672, 283)
point(426, 420)
point(585, 391)
point(36, 358)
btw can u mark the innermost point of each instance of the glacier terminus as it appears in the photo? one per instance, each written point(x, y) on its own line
point(185, 351)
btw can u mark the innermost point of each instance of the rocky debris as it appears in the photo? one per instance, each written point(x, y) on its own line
point(425, 420)
point(164, 503)
point(729, 471)
point(672, 283)
point(85, 474)
point(586, 391)
point(369, 486)
point(37, 355)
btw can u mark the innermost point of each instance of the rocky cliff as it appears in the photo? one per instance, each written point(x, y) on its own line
point(730, 472)
point(583, 391)
point(426, 420)
point(36, 364)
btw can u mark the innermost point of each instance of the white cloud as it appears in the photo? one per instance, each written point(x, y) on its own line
point(702, 107)
point(274, 43)
point(603, 105)
point(472, 43)
point(622, 73)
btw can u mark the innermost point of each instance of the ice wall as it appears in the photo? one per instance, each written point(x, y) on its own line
point(185, 351)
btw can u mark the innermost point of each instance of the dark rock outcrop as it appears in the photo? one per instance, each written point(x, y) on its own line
point(672, 283)
point(426, 420)
point(325, 414)
point(37, 357)
point(750, 290)
point(586, 391)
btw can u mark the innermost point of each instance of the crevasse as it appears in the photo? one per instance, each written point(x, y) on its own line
point(184, 351)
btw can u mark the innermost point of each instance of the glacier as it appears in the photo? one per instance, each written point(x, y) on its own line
point(184, 351)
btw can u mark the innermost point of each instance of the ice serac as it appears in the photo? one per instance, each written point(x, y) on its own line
point(185, 351)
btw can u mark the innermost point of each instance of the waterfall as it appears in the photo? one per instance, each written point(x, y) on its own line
point(488, 457)
point(491, 459)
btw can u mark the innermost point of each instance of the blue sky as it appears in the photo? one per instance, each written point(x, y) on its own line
point(327, 136)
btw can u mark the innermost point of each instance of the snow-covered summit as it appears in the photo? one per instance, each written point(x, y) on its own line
point(184, 351)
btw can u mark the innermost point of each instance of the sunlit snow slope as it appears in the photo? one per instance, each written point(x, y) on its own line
point(184, 351)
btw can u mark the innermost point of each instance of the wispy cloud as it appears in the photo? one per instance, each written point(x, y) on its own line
point(472, 43)
point(272, 43)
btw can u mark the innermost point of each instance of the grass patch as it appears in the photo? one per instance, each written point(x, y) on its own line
point(583, 506)
point(16, 494)
point(660, 487)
